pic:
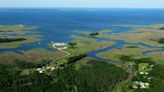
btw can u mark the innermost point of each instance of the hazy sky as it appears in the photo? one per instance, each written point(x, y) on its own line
point(84, 3)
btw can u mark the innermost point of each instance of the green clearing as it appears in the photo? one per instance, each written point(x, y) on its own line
point(144, 67)
point(158, 26)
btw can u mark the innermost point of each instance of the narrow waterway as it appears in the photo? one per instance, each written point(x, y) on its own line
point(120, 45)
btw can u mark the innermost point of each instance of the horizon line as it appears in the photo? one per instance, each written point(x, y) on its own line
point(84, 7)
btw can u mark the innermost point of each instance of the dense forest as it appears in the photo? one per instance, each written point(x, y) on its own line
point(93, 76)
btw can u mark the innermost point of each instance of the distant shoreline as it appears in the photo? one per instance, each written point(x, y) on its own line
point(119, 8)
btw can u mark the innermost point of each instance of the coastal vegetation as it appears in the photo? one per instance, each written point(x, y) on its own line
point(157, 56)
point(16, 29)
point(76, 58)
point(114, 54)
point(5, 40)
point(161, 41)
point(162, 28)
point(153, 26)
point(85, 44)
point(99, 34)
point(16, 44)
point(68, 60)
point(72, 44)
point(94, 34)
point(38, 56)
point(130, 46)
point(13, 36)
point(145, 36)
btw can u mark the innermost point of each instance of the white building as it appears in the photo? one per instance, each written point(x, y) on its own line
point(52, 68)
point(59, 45)
point(40, 70)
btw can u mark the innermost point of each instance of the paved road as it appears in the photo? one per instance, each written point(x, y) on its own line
point(67, 54)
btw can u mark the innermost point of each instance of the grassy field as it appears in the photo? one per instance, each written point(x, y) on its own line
point(148, 34)
point(150, 37)
point(154, 26)
point(114, 54)
point(157, 56)
point(86, 44)
point(16, 29)
point(39, 55)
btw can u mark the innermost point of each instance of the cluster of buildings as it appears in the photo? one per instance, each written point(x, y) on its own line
point(41, 70)
point(140, 84)
point(142, 73)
